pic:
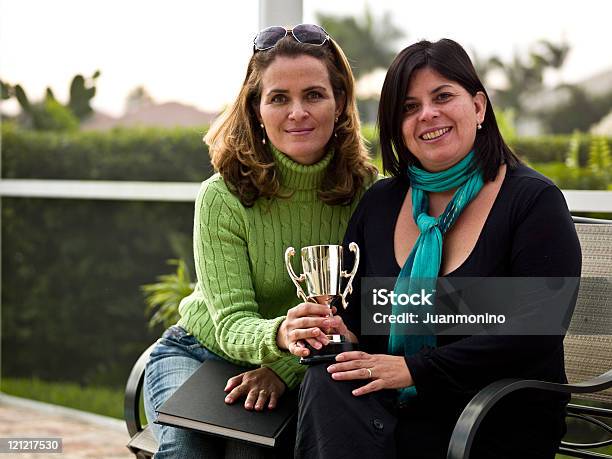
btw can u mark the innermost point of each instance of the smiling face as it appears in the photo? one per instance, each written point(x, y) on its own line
point(297, 107)
point(440, 119)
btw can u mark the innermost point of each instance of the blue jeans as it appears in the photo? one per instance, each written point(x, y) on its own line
point(176, 356)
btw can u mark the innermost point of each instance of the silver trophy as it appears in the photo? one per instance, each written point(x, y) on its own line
point(323, 274)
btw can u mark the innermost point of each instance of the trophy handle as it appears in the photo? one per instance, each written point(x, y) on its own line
point(349, 286)
point(290, 252)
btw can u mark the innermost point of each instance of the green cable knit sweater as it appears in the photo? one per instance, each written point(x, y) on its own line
point(243, 290)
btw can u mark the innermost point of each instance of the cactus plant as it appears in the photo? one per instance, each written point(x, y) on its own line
point(23, 100)
point(81, 93)
point(49, 114)
point(6, 90)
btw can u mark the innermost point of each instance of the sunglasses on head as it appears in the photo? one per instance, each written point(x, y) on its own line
point(310, 34)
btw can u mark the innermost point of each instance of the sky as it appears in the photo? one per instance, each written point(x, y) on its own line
point(195, 52)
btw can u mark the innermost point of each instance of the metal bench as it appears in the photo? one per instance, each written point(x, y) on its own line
point(142, 441)
point(588, 358)
point(588, 354)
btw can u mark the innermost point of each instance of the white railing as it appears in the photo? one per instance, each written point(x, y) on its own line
point(100, 189)
point(588, 200)
point(577, 200)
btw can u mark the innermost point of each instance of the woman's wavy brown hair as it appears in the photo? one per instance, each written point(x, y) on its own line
point(247, 165)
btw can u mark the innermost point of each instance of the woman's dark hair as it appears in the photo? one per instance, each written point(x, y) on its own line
point(450, 60)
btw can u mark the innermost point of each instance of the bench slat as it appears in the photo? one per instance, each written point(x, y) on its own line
point(144, 442)
point(588, 345)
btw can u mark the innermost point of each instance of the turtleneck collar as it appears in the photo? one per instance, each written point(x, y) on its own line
point(296, 176)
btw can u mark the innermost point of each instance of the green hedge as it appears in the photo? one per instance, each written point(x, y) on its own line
point(72, 308)
point(568, 178)
point(551, 148)
point(121, 154)
point(175, 155)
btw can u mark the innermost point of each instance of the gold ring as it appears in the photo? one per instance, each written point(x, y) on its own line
point(263, 391)
point(369, 372)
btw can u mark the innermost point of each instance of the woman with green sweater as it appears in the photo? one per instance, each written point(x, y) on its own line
point(291, 166)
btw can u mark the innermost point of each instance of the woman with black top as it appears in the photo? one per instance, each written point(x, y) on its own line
point(459, 204)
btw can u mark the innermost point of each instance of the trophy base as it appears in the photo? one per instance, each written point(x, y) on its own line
point(328, 353)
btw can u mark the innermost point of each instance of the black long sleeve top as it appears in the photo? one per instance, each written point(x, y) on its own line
point(529, 232)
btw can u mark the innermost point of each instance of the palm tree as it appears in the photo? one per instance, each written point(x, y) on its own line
point(368, 42)
point(526, 76)
point(553, 55)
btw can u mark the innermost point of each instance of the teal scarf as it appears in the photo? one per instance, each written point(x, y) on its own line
point(423, 264)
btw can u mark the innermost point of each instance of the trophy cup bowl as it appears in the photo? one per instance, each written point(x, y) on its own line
point(323, 274)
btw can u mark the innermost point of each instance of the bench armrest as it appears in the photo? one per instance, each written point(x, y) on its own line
point(133, 390)
point(475, 411)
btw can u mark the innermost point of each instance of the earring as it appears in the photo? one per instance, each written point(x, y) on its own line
point(479, 127)
point(263, 133)
point(337, 118)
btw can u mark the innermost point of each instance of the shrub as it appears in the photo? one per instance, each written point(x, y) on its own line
point(72, 269)
point(72, 308)
point(120, 154)
point(164, 296)
point(553, 148)
point(570, 178)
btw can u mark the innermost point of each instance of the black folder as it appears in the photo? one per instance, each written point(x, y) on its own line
point(199, 405)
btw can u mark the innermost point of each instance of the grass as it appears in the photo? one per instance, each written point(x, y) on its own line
point(98, 400)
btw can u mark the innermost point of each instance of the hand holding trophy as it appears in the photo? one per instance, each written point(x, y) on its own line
point(322, 272)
